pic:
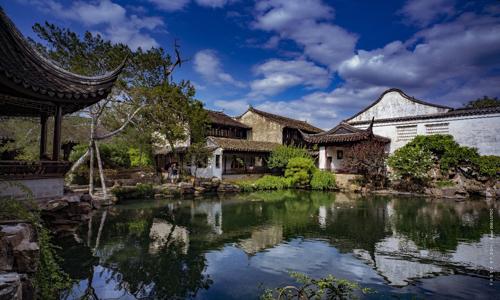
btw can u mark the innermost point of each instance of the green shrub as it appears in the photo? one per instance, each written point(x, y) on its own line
point(446, 150)
point(113, 156)
point(411, 162)
point(270, 182)
point(138, 160)
point(141, 190)
point(281, 155)
point(322, 180)
point(299, 170)
point(489, 165)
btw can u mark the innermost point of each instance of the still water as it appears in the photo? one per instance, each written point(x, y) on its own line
point(234, 247)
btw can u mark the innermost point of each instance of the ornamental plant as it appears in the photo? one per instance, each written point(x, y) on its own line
point(322, 180)
point(299, 170)
point(280, 157)
point(411, 164)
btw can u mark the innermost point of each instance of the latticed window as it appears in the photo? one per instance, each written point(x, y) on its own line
point(406, 133)
point(438, 128)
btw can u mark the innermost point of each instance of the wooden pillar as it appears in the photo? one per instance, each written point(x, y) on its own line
point(43, 135)
point(56, 145)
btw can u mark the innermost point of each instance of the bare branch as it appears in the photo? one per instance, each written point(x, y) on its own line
point(124, 125)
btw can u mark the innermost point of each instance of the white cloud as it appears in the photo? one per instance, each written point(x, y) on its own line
point(307, 23)
point(207, 64)
point(232, 107)
point(423, 12)
point(170, 5)
point(213, 3)
point(442, 59)
point(280, 75)
point(173, 5)
point(118, 26)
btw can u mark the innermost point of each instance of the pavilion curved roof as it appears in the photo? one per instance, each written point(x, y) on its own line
point(31, 83)
point(343, 133)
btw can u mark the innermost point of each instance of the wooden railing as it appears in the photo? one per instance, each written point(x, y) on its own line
point(14, 169)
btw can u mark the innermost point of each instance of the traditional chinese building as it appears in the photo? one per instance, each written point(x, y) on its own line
point(275, 128)
point(400, 118)
point(33, 86)
point(335, 143)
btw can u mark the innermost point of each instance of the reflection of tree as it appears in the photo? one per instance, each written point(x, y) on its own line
point(170, 271)
point(439, 224)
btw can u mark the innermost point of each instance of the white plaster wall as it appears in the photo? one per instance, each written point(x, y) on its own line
point(481, 132)
point(336, 163)
point(393, 104)
point(40, 188)
point(211, 170)
point(322, 158)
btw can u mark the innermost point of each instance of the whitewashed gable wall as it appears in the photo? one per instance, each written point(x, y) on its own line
point(393, 104)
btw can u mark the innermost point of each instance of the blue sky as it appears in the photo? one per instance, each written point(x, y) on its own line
point(319, 61)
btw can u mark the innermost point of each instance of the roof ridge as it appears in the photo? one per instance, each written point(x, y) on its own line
point(284, 118)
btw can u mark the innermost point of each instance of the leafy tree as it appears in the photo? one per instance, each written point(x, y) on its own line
point(368, 158)
point(282, 154)
point(483, 102)
point(198, 155)
point(145, 94)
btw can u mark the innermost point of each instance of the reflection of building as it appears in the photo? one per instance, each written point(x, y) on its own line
point(399, 259)
point(213, 211)
point(163, 234)
point(262, 238)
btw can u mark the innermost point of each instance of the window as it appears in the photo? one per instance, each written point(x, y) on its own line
point(406, 133)
point(217, 161)
point(438, 128)
point(340, 154)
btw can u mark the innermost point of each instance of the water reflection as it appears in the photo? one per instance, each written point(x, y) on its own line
point(224, 248)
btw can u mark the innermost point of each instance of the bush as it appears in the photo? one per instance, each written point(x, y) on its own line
point(411, 163)
point(270, 182)
point(280, 157)
point(322, 180)
point(133, 192)
point(446, 151)
point(299, 170)
point(136, 160)
point(113, 156)
point(489, 165)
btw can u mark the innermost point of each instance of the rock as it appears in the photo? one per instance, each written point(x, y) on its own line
point(228, 188)
point(434, 192)
point(199, 190)
point(474, 187)
point(11, 287)
point(489, 192)
point(454, 192)
point(55, 205)
point(86, 198)
point(19, 250)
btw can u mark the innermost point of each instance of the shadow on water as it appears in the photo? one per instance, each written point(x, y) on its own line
point(227, 248)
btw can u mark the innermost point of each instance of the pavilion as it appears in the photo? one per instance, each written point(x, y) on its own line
point(336, 142)
point(33, 86)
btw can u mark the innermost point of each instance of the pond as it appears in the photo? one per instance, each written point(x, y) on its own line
point(236, 246)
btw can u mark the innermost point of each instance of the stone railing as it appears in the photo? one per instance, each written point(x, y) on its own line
point(14, 169)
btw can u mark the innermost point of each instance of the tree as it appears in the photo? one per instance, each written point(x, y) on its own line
point(368, 159)
point(483, 102)
point(144, 80)
point(198, 155)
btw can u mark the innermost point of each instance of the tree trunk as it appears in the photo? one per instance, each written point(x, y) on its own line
point(101, 171)
point(91, 169)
